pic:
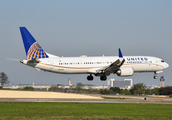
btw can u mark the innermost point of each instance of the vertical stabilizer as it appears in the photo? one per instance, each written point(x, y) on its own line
point(120, 53)
point(32, 48)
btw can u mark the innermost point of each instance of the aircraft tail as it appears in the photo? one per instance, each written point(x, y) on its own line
point(32, 48)
point(120, 53)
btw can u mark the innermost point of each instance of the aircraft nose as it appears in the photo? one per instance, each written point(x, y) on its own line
point(166, 65)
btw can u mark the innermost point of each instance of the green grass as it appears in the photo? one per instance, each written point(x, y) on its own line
point(111, 98)
point(114, 98)
point(84, 111)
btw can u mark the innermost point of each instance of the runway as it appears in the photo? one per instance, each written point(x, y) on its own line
point(34, 96)
point(123, 99)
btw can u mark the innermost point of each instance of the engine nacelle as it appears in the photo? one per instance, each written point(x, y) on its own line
point(125, 71)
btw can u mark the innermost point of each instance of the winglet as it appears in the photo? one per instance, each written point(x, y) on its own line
point(120, 53)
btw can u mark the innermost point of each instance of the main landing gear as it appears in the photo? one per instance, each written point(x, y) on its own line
point(90, 78)
point(155, 77)
point(103, 78)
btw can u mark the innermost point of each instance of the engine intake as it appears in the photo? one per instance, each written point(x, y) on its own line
point(125, 71)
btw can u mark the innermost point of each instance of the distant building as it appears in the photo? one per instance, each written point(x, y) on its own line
point(33, 84)
point(69, 82)
point(162, 81)
point(129, 80)
point(96, 87)
point(123, 84)
point(110, 82)
point(152, 86)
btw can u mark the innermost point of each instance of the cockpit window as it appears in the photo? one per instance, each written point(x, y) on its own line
point(162, 60)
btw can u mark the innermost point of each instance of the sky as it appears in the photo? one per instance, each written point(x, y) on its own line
point(91, 27)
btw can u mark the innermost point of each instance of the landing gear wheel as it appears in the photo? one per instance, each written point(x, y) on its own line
point(155, 77)
point(90, 78)
point(103, 78)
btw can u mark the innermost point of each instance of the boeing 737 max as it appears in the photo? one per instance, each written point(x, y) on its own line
point(98, 66)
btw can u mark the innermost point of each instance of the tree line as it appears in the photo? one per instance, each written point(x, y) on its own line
point(139, 89)
point(3, 79)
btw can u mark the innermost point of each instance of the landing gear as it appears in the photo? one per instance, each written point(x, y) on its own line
point(90, 78)
point(103, 78)
point(155, 77)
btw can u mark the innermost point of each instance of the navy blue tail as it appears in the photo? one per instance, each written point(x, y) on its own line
point(32, 48)
point(120, 53)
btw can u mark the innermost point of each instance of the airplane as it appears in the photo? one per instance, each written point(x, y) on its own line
point(101, 66)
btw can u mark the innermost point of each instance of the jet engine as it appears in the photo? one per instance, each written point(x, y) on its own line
point(125, 71)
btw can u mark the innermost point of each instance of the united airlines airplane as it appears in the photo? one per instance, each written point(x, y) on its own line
point(98, 66)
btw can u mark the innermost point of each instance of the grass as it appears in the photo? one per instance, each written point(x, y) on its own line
point(114, 98)
point(84, 111)
point(111, 98)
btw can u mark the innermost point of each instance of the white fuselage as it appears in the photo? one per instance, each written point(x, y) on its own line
point(89, 65)
point(99, 66)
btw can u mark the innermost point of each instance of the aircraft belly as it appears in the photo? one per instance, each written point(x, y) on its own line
point(140, 68)
point(43, 67)
point(69, 70)
point(156, 67)
point(76, 71)
point(146, 68)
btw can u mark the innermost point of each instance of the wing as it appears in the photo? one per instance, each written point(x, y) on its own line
point(112, 68)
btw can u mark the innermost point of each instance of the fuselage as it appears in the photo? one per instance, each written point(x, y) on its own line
point(99, 66)
point(89, 65)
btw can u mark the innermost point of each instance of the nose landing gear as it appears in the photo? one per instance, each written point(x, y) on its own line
point(155, 77)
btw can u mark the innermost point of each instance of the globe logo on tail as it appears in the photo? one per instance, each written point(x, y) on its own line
point(35, 51)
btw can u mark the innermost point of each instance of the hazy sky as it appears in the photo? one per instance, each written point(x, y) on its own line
point(90, 27)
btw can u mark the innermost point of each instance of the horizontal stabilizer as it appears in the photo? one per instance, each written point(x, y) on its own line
point(35, 60)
